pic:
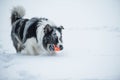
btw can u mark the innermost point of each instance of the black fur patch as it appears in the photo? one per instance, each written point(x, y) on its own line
point(22, 29)
point(31, 31)
point(19, 28)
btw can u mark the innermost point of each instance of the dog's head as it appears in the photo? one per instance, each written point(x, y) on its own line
point(52, 37)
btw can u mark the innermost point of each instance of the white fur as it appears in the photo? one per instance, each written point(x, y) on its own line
point(40, 35)
point(58, 34)
point(31, 47)
point(45, 22)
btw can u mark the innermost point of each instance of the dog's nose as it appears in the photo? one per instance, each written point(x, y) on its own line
point(61, 47)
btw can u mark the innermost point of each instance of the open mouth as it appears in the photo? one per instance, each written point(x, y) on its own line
point(54, 47)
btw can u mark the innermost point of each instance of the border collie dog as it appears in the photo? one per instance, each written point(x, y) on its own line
point(36, 35)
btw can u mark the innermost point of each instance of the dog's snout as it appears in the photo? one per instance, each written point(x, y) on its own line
point(61, 47)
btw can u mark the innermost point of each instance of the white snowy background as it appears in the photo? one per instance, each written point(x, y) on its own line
point(91, 41)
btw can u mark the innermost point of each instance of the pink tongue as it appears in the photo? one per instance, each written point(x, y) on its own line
point(56, 48)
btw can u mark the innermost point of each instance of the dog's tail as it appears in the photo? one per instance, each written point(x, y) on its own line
point(17, 13)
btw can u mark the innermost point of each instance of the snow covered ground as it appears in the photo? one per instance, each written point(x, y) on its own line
point(91, 41)
point(80, 60)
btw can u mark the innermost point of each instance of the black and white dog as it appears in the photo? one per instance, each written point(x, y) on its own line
point(34, 36)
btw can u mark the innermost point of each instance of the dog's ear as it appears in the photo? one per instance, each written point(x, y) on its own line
point(60, 28)
point(47, 29)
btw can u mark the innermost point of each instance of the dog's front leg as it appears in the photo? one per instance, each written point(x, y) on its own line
point(30, 47)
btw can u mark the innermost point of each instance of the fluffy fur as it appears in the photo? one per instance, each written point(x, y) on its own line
point(34, 36)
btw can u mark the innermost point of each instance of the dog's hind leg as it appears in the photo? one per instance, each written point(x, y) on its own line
point(17, 43)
